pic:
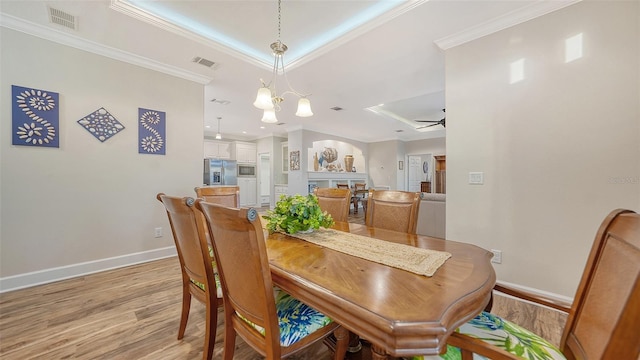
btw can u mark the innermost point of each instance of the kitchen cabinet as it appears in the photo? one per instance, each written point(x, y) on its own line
point(248, 191)
point(217, 149)
point(244, 152)
point(280, 190)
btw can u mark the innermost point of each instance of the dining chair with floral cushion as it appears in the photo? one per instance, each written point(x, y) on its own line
point(334, 201)
point(603, 320)
point(199, 278)
point(393, 210)
point(268, 319)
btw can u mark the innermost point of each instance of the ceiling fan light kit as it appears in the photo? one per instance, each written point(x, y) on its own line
point(267, 98)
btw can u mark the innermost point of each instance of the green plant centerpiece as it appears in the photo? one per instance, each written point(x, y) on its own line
point(297, 213)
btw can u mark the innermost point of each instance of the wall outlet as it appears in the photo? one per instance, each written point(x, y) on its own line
point(158, 232)
point(497, 256)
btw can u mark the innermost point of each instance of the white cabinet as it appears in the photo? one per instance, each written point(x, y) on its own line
point(248, 191)
point(217, 149)
point(279, 190)
point(243, 152)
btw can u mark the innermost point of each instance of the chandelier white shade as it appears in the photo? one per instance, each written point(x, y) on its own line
point(269, 116)
point(268, 98)
point(304, 108)
point(263, 100)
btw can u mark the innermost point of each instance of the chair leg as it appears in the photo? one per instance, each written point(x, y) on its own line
point(210, 331)
point(229, 340)
point(342, 343)
point(186, 305)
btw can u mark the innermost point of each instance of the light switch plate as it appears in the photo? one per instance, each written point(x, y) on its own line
point(476, 178)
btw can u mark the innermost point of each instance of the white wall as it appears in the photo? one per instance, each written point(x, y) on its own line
point(383, 164)
point(555, 148)
point(87, 205)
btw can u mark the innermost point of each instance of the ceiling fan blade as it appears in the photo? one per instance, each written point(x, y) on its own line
point(433, 121)
point(426, 126)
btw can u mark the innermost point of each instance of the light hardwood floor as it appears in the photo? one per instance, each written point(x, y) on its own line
point(133, 313)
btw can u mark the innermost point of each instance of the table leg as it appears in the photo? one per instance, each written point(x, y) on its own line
point(378, 353)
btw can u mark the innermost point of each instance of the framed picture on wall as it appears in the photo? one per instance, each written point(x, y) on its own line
point(294, 160)
point(400, 165)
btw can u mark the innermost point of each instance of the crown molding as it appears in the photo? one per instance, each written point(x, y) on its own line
point(61, 37)
point(125, 7)
point(513, 18)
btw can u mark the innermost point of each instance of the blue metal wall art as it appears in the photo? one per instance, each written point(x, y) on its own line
point(101, 124)
point(35, 117)
point(151, 132)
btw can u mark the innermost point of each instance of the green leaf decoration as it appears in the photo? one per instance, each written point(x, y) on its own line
point(297, 213)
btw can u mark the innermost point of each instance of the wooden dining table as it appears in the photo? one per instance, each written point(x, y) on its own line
point(399, 312)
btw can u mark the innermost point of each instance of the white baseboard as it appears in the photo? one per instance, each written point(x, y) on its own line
point(40, 277)
point(550, 295)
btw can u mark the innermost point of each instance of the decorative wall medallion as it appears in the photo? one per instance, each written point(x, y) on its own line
point(35, 117)
point(151, 131)
point(101, 124)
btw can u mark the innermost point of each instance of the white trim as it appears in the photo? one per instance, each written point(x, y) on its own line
point(64, 38)
point(129, 9)
point(513, 18)
point(550, 295)
point(15, 282)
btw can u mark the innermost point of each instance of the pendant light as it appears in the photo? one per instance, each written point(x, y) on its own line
point(268, 98)
point(218, 135)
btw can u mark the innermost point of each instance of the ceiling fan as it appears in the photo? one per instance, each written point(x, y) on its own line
point(435, 122)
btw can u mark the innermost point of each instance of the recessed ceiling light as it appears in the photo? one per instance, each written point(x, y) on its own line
point(261, 127)
point(244, 132)
point(208, 126)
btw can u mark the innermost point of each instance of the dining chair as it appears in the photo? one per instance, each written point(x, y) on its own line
point(359, 196)
point(199, 278)
point(268, 319)
point(334, 201)
point(224, 195)
point(602, 321)
point(393, 210)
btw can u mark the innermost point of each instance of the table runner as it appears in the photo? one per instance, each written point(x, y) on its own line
point(417, 260)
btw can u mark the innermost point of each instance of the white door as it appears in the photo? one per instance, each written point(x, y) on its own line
point(415, 171)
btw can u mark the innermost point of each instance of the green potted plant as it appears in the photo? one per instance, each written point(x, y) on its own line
point(297, 213)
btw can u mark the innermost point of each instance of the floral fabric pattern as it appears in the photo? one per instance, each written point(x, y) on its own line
point(296, 319)
point(503, 334)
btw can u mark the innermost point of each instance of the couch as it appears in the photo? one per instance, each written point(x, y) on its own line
point(431, 215)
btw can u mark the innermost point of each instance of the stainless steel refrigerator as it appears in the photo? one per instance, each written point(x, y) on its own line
point(220, 172)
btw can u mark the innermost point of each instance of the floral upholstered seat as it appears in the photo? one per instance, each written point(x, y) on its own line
point(295, 319)
point(503, 334)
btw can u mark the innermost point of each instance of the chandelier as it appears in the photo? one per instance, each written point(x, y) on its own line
point(268, 98)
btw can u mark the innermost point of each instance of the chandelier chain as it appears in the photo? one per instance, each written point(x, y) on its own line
point(279, 19)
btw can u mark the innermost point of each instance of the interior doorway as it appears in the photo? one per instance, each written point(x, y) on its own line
point(264, 175)
point(419, 172)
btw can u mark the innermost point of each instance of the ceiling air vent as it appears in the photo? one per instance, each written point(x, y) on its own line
point(220, 101)
point(62, 18)
point(337, 108)
point(202, 61)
